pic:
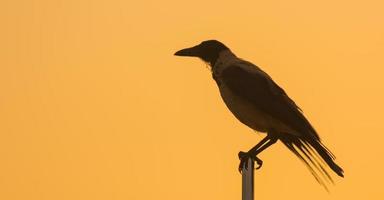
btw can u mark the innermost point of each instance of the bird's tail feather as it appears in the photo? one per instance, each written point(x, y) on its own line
point(327, 156)
point(315, 156)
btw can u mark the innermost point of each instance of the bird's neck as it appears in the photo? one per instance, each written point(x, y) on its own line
point(225, 57)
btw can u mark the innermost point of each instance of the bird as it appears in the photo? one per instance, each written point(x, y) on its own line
point(261, 104)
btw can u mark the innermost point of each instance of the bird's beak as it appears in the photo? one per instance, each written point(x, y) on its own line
point(193, 51)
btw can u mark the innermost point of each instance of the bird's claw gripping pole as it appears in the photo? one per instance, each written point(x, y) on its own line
point(245, 157)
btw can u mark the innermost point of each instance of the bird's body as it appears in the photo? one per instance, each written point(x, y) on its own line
point(258, 102)
point(244, 110)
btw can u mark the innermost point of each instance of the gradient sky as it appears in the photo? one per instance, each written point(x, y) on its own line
point(93, 104)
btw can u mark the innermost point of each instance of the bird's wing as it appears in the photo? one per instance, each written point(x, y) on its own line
point(259, 89)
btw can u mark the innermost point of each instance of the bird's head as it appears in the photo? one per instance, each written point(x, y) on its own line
point(208, 51)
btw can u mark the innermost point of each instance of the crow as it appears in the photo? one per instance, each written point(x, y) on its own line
point(259, 103)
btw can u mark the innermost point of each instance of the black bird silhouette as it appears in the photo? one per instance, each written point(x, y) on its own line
point(258, 102)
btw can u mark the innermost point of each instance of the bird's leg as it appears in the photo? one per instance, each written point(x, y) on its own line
point(254, 151)
point(244, 156)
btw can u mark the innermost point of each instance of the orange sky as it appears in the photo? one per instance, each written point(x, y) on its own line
point(93, 104)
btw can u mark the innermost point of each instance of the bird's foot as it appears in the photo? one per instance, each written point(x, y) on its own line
point(244, 158)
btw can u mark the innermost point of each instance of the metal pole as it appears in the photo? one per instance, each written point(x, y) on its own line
point(248, 181)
